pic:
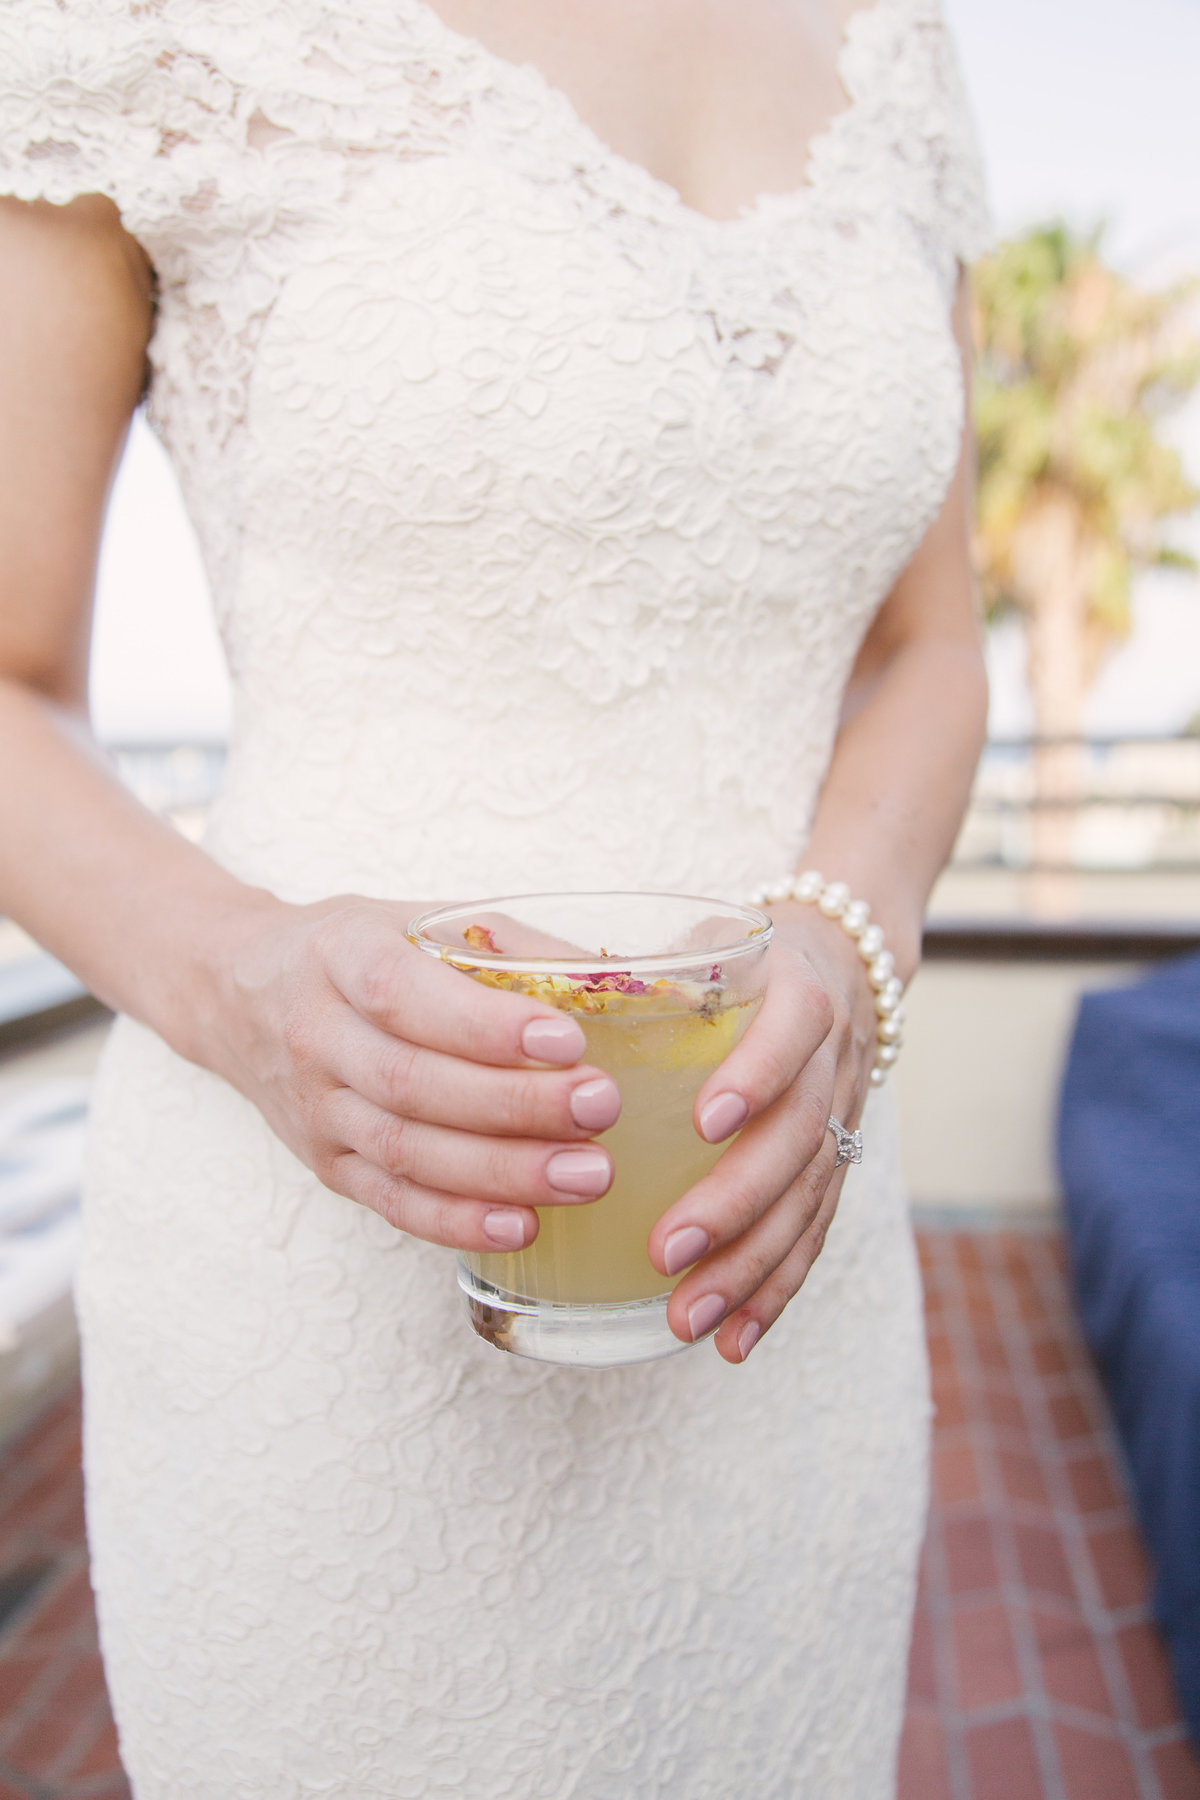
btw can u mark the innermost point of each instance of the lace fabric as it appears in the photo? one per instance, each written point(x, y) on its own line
point(544, 517)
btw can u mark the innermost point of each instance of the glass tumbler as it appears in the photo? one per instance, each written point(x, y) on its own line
point(663, 986)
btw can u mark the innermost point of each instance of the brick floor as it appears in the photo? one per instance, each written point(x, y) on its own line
point(1035, 1673)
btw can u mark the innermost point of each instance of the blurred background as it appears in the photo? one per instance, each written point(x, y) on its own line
point(1037, 1666)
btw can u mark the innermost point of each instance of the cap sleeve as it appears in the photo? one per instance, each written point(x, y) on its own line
point(95, 97)
point(961, 217)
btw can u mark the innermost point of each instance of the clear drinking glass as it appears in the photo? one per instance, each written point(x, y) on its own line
point(663, 986)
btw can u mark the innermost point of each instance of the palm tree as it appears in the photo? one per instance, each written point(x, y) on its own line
point(1077, 366)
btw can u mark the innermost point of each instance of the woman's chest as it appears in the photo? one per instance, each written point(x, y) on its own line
point(458, 342)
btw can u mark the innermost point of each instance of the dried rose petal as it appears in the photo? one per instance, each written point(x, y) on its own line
point(480, 938)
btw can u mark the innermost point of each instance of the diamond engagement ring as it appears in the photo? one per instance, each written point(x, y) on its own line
point(849, 1143)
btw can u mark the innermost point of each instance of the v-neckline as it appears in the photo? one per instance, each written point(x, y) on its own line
point(667, 197)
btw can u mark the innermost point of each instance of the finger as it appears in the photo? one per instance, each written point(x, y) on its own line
point(742, 1328)
point(731, 1277)
point(437, 1218)
point(425, 1084)
point(753, 1174)
point(795, 1018)
point(523, 1170)
point(415, 996)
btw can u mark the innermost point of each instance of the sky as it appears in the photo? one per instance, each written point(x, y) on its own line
point(1087, 110)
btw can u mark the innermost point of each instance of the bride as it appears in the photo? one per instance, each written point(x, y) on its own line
point(570, 403)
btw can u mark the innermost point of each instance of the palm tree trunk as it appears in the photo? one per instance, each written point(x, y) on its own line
point(1048, 563)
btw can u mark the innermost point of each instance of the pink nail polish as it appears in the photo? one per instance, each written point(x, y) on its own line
point(721, 1116)
point(596, 1104)
point(507, 1229)
point(584, 1172)
point(553, 1040)
point(684, 1247)
point(748, 1336)
point(704, 1315)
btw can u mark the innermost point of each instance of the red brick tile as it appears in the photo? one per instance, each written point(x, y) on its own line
point(1049, 1357)
point(27, 1506)
point(1148, 1673)
point(1094, 1767)
point(9, 1792)
point(1022, 1477)
point(922, 1673)
point(115, 1788)
point(17, 1675)
point(967, 1253)
point(1178, 1769)
point(923, 1773)
point(1070, 1418)
point(1043, 1560)
point(1005, 1410)
point(63, 1606)
point(970, 1558)
point(101, 1756)
point(1071, 1667)
point(81, 1686)
point(948, 1400)
point(955, 1475)
point(985, 1656)
point(1094, 1483)
point(1003, 1763)
point(989, 1347)
point(41, 1743)
point(1120, 1563)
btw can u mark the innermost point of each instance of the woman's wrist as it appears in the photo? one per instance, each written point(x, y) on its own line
point(836, 917)
point(212, 927)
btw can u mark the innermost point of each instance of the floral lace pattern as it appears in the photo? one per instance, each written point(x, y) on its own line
point(544, 517)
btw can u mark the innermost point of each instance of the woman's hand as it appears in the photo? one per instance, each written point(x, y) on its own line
point(755, 1225)
point(402, 1083)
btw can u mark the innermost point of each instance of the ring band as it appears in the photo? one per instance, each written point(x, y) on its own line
point(849, 1143)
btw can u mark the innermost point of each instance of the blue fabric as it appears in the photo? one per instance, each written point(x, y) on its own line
point(1129, 1154)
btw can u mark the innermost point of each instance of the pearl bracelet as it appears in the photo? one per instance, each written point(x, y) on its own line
point(833, 899)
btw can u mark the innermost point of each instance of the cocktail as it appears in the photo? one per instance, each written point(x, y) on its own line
point(663, 987)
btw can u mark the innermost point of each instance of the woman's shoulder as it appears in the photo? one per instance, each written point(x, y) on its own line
point(901, 66)
point(167, 106)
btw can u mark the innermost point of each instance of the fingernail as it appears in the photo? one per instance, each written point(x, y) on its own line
point(704, 1315)
point(684, 1247)
point(586, 1172)
point(596, 1104)
point(505, 1228)
point(722, 1115)
point(553, 1040)
point(748, 1336)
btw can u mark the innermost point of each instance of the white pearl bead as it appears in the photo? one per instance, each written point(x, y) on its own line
point(885, 1004)
point(878, 1077)
point(888, 1031)
point(870, 943)
point(779, 890)
point(886, 1055)
point(834, 900)
point(808, 885)
point(855, 917)
point(899, 1014)
point(758, 897)
point(881, 970)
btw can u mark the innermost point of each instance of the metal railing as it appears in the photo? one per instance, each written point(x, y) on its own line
point(1118, 805)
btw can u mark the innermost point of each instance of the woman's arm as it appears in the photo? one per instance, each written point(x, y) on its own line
point(913, 722)
point(888, 813)
point(422, 1095)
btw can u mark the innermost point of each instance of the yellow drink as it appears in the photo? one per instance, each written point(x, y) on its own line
point(659, 1055)
point(660, 1009)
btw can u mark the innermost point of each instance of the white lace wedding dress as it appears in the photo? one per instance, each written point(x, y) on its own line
point(544, 516)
